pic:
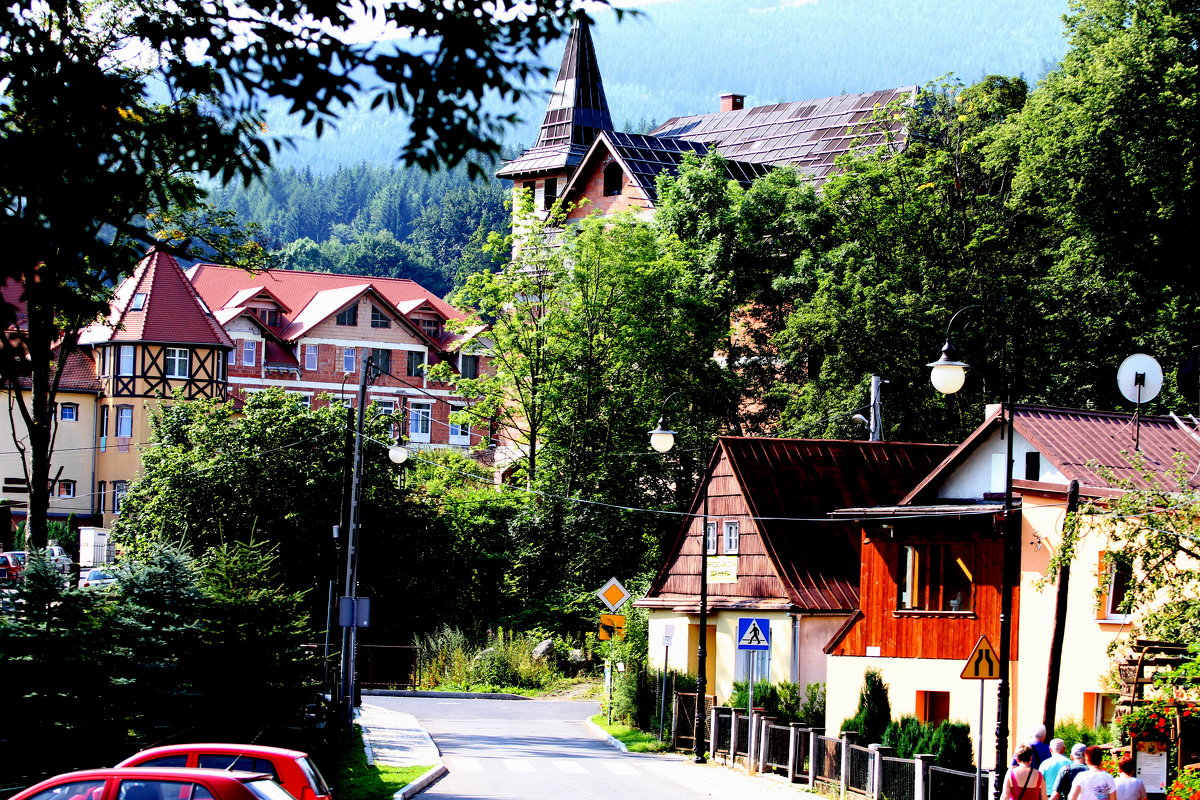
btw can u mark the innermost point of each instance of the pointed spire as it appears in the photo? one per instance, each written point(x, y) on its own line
point(577, 110)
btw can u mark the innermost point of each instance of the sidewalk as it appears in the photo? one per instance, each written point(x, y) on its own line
point(396, 739)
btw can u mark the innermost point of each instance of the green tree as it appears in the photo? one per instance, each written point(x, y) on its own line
point(874, 712)
point(108, 107)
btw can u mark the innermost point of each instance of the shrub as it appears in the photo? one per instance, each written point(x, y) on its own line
point(1072, 731)
point(874, 708)
point(765, 696)
point(905, 736)
point(1186, 786)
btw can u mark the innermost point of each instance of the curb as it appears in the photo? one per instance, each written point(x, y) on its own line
point(606, 736)
point(452, 695)
point(422, 783)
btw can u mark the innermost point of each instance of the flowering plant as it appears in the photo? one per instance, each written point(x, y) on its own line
point(1186, 786)
point(1157, 718)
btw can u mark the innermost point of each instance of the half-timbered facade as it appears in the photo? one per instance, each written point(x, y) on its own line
point(931, 582)
point(760, 512)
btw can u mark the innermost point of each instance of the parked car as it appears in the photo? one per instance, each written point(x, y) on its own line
point(12, 564)
point(294, 770)
point(155, 784)
point(96, 577)
point(60, 558)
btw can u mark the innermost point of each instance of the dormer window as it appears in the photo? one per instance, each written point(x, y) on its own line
point(139, 302)
point(430, 327)
point(379, 319)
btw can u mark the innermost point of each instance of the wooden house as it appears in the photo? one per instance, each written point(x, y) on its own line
point(931, 582)
point(772, 551)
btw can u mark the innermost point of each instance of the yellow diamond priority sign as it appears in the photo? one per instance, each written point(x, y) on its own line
point(613, 594)
point(983, 664)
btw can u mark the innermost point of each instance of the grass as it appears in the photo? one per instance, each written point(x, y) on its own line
point(354, 779)
point(635, 740)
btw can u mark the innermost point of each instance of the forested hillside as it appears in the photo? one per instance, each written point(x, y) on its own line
point(374, 220)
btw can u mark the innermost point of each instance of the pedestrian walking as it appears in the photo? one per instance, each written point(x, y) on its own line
point(1054, 765)
point(1067, 775)
point(1095, 784)
point(1129, 787)
point(1024, 782)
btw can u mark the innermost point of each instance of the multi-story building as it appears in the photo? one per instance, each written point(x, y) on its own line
point(221, 332)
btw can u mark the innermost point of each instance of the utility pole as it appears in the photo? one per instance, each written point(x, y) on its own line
point(349, 616)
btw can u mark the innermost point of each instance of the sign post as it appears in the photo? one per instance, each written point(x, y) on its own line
point(982, 665)
point(754, 633)
point(668, 634)
point(613, 595)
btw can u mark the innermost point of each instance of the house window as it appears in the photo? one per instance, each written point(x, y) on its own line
point(139, 301)
point(68, 412)
point(249, 352)
point(386, 406)
point(416, 364)
point(125, 421)
point(303, 401)
point(551, 192)
point(731, 537)
point(125, 359)
point(382, 359)
point(935, 577)
point(349, 359)
point(933, 707)
point(419, 419)
point(710, 537)
point(460, 433)
point(379, 319)
point(613, 178)
point(177, 362)
point(120, 488)
point(66, 488)
point(231, 357)
point(103, 424)
point(468, 366)
point(1033, 466)
point(349, 316)
point(101, 496)
point(430, 327)
point(310, 356)
point(530, 186)
point(1117, 574)
point(106, 362)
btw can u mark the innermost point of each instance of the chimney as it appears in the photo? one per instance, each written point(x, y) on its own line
point(732, 102)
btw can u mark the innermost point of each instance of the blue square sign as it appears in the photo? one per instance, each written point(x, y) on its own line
point(754, 633)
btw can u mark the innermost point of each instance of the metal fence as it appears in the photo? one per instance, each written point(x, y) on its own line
point(683, 722)
point(806, 756)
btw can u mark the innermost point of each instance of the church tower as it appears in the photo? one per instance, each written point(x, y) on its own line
point(576, 113)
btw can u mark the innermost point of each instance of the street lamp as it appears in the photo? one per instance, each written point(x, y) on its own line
point(948, 375)
point(662, 440)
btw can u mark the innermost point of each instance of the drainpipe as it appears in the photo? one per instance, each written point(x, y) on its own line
point(1060, 613)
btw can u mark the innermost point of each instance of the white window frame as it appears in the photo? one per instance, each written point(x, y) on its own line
point(385, 406)
point(249, 352)
point(171, 360)
point(126, 360)
point(106, 362)
point(420, 421)
point(125, 413)
point(68, 412)
point(66, 488)
point(350, 359)
point(409, 355)
point(139, 301)
point(310, 357)
point(120, 489)
point(302, 400)
point(732, 530)
point(459, 434)
point(710, 537)
point(1109, 612)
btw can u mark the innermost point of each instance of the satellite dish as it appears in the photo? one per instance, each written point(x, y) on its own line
point(1140, 378)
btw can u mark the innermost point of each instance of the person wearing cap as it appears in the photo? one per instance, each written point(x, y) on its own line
point(1054, 765)
point(1095, 783)
point(1066, 776)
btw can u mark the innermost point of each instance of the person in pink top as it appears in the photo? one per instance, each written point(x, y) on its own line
point(1024, 782)
point(1095, 784)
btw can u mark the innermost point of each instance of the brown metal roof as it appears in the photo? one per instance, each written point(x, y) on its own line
point(1088, 446)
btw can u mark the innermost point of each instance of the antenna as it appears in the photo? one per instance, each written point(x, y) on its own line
point(1140, 379)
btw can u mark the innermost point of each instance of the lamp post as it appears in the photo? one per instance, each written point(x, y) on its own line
point(662, 440)
point(948, 375)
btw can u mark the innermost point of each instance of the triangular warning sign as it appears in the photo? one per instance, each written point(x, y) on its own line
point(983, 664)
point(753, 636)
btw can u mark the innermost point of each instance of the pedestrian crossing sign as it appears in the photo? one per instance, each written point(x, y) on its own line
point(754, 633)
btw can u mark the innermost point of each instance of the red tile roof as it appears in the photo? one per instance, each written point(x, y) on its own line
point(1085, 445)
point(173, 311)
point(79, 373)
point(312, 296)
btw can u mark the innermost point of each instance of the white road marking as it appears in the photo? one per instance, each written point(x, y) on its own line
point(570, 767)
point(466, 764)
point(620, 768)
point(517, 765)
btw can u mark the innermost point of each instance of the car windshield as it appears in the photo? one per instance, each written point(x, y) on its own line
point(97, 574)
point(268, 790)
point(18, 557)
point(314, 775)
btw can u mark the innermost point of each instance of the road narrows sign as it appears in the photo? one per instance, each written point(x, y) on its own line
point(983, 664)
point(754, 633)
point(613, 594)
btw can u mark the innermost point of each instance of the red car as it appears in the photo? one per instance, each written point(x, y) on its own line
point(293, 770)
point(156, 784)
point(12, 564)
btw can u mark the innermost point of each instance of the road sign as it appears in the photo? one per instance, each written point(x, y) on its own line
point(983, 664)
point(612, 626)
point(613, 594)
point(754, 633)
point(668, 635)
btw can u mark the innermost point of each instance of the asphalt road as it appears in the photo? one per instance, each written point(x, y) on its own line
point(538, 749)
